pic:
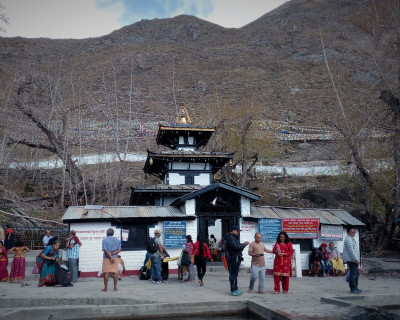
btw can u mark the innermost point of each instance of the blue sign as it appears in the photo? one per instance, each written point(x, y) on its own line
point(269, 229)
point(174, 234)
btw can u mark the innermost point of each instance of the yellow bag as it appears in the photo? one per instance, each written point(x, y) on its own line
point(148, 264)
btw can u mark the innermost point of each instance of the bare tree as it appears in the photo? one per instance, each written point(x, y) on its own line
point(380, 183)
point(3, 18)
point(238, 132)
point(30, 99)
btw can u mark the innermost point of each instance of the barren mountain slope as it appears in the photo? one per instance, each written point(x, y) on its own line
point(276, 61)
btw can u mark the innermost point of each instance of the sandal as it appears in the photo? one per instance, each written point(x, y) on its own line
point(201, 283)
point(276, 292)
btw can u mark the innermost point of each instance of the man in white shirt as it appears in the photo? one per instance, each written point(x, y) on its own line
point(46, 238)
point(351, 255)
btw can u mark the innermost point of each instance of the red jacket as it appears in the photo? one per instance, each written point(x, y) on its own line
point(206, 251)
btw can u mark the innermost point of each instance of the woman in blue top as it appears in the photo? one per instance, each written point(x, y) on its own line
point(47, 260)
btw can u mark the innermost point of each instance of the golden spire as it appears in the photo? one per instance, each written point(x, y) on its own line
point(183, 117)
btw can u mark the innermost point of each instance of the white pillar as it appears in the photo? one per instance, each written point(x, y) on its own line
point(297, 259)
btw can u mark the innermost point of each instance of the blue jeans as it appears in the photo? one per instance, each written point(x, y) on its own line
point(354, 274)
point(234, 265)
point(191, 272)
point(326, 266)
point(73, 269)
point(257, 272)
point(156, 268)
point(147, 257)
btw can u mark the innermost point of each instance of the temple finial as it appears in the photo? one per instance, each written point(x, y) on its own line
point(183, 117)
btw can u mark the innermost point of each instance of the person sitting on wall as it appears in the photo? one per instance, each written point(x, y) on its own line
point(213, 246)
point(314, 262)
point(336, 261)
point(325, 262)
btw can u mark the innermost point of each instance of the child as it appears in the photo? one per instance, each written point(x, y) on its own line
point(18, 264)
point(3, 263)
point(121, 268)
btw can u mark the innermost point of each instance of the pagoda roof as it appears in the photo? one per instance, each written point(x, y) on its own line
point(215, 187)
point(155, 162)
point(167, 188)
point(167, 135)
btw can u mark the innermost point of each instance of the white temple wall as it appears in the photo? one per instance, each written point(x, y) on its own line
point(92, 234)
point(175, 178)
point(202, 179)
point(190, 207)
point(245, 206)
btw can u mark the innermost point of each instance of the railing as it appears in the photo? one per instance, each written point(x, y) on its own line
point(32, 237)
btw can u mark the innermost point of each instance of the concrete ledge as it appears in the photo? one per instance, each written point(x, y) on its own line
point(138, 311)
point(267, 314)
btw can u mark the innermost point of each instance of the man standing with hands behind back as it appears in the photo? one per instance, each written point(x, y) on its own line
point(156, 259)
point(258, 268)
point(73, 246)
point(111, 247)
point(351, 255)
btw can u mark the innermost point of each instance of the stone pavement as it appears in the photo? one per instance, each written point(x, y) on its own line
point(304, 301)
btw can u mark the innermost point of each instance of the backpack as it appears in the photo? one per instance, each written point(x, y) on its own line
point(151, 245)
point(144, 273)
point(185, 260)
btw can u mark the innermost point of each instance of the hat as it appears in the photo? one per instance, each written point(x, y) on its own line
point(324, 245)
point(235, 228)
point(157, 231)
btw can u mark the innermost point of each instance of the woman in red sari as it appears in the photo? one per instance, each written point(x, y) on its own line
point(283, 250)
point(3, 263)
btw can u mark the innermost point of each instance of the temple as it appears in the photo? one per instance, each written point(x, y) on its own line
point(189, 200)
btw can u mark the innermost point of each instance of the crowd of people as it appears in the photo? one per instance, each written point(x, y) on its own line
point(48, 261)
point(324, 259)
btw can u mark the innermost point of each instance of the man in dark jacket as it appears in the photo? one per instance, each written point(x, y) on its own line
point(234, 255)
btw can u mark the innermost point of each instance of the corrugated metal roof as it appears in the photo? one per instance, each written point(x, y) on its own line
point(123, 212)
point(345, 216)
point(326, 216)
point(263, 213)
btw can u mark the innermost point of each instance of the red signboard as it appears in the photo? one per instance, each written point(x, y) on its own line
point(306, 228)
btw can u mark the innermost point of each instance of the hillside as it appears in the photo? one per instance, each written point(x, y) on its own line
point(276, 60)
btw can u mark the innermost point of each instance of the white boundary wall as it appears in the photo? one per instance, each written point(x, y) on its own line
point(92, 234)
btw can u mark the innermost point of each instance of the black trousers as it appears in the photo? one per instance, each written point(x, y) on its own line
point(201, 268)
point(234, 265)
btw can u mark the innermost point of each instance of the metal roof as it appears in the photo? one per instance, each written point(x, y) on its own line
point(123, 212)
point(326, 216)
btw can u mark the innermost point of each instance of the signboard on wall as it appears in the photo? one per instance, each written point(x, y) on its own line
point(249, 227)
point(174, 233)
point(303, 228)
point(329, 232)
point(269, 229)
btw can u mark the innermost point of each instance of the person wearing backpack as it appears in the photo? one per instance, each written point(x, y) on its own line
point(234, 256)
point(156, 258)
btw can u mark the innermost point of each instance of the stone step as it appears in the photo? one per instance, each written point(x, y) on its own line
point(220, 270)
point(30, 257)
point(28, 274)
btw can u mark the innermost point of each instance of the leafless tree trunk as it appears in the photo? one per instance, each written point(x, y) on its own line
point(25, 101)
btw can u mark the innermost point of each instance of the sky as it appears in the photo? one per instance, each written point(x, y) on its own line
point(80, 19)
